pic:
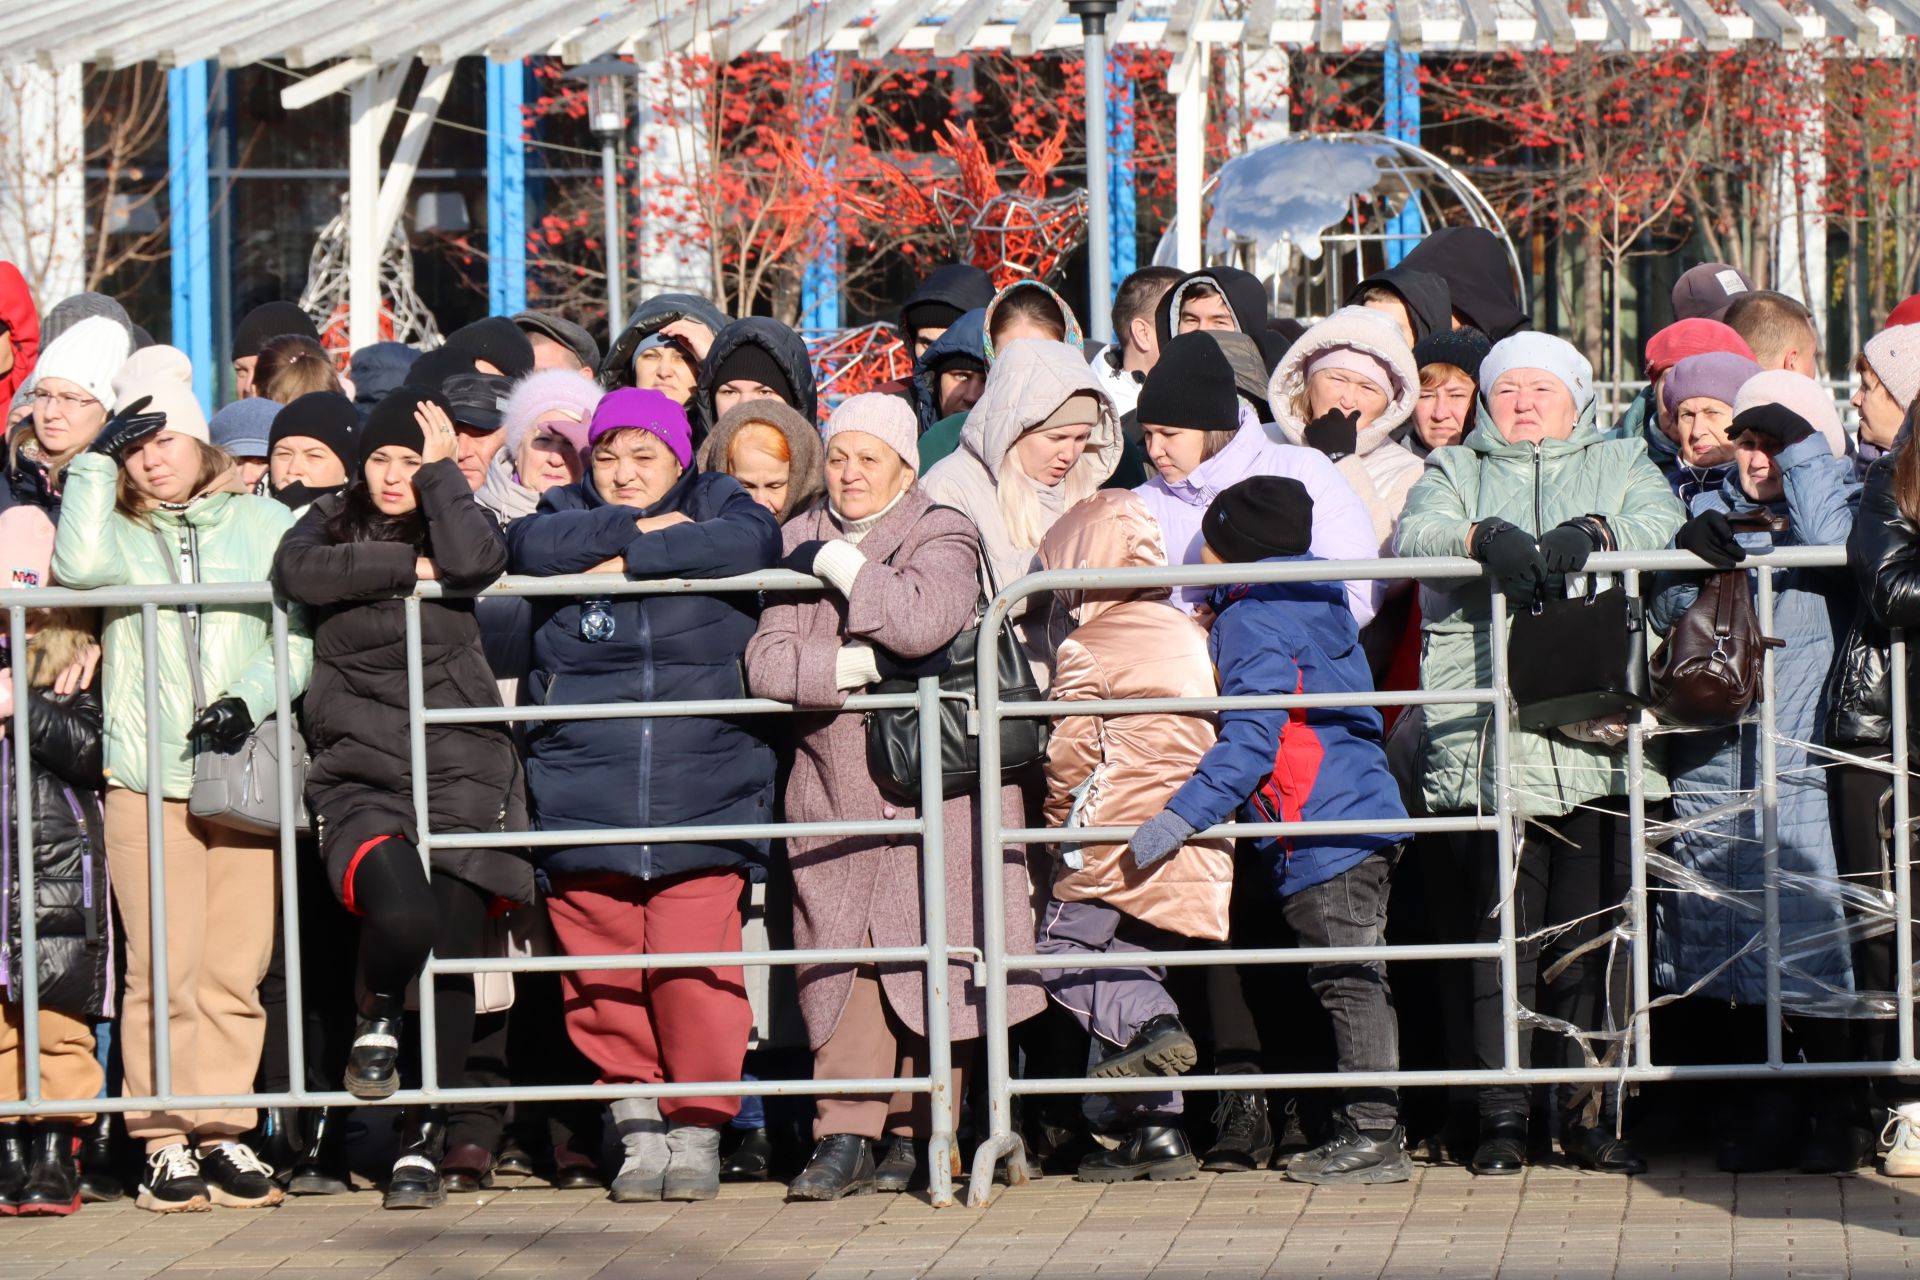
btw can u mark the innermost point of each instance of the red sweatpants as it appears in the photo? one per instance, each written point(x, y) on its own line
point(648, 1026)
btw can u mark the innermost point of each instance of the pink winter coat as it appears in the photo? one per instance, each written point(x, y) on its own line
point(915, 593)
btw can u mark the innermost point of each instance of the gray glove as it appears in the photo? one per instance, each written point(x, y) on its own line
point(1159, 836)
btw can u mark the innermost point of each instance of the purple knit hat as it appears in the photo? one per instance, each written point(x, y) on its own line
point(631, 408)
point(1717, 375)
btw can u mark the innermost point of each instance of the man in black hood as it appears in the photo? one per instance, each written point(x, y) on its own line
point(1226, 299)
point(1479, 274)
point(936, 302)
point(1418, 301)
point(757, 357)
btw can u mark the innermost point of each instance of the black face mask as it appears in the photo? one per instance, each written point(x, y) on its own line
point(297, 495)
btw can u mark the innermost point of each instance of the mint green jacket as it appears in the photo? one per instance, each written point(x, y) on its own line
point(236, 535)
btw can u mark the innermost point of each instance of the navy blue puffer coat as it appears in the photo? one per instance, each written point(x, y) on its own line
point(594, 775)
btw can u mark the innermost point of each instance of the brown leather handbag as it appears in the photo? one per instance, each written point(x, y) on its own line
point(1707, 672)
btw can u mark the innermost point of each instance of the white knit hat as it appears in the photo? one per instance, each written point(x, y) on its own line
point(88, 354)
point(1893, 354)
point(1530, 350)
point(166, 375)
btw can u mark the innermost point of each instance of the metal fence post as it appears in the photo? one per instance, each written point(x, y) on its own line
point(1642, 928)
point(941, 1147)
point(29, 975)
point(1506, 852)
point(1769, 818)
point(289, 866)
point(1001, 1140)
point(162, 1011)
point(1902, 851)
point(422, 821)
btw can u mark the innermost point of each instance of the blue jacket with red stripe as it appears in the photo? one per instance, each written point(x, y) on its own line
point(1318, 765)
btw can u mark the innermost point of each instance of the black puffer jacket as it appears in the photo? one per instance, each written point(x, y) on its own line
point(1883, 553)
point(789, 352)
point(360, 784)
point(75, 916)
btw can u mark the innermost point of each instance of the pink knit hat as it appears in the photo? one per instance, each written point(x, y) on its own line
point(884, 417)
point(559, 392)
point(1354, 360)
point(1894, 354)
point(1802, 395)
point(26, 548)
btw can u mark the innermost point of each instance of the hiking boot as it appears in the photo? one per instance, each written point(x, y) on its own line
point(237, 1178)
point(1155, 1151)
point(1243, 1138)
point(894, 1170)
point(841, 1165)
point(1291, 1138)
point(98, 1181)
point(373, 1063)
point(1355, 1156)
point(1161, 1047)
point(750, 1158)
point(173, 1183)
point(415, 1181)
point(53, 1187)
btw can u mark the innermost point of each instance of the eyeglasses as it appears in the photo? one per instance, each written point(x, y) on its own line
point(66, 400)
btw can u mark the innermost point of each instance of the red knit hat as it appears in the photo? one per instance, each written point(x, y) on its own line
point(1907, 312)
point(1696, 337)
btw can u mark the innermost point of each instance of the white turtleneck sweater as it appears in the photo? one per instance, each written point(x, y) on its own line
point(839, 563)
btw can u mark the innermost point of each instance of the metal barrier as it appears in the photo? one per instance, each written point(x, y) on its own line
point(991, 961)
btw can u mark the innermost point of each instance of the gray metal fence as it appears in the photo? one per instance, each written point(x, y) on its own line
point(991, 961)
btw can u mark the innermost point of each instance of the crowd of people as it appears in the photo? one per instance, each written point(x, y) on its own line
point(1424, 418)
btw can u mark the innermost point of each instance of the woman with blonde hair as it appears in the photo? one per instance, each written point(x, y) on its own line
point(293, 365)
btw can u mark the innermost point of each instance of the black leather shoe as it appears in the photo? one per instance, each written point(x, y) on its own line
point(1155, 1151)
point(1601, 1152)
point(415, 1182)
point(467, 1167)
point(1503, 1147)
point(98, 1182)
point(321, 1167)
point(16, 1164)
point(894, 1171)
point(841, 1165)
point(512, 1161)
point(53, 1187)
point(1161, 1047)
point(1243, 1138)
point(749, 1158)
point(574, 1171)
point(373, 1064)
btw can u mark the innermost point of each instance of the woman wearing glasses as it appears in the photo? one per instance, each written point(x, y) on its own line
point(642, 511)
point(71, 396)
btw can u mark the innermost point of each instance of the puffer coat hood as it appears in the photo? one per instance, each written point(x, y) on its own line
point(788, 350)
point(1429, 300)
point(1383, 471)
point(1074, 337)
point(1245, 295)
point(23, 323)
point(806, 481)
point(1111, 530)
point(649, 318)
point(1479, 275)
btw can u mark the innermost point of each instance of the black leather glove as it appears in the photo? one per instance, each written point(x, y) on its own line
point(1514, 558)
point(894, 667)
point(800, 559)
point(223, 726)
point(1710, 537)
point(1775, 421)
point(127, 428)
point(1565, 547)
point(1334, 433)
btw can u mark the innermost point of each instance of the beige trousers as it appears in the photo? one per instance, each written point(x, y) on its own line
point(68, 1068)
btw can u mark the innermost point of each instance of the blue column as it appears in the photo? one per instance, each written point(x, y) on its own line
point(1124, 242)
point(820, 282)
point(1400, 72)
point(192, 229)
point(506, 188)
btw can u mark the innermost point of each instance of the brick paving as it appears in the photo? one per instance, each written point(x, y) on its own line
point(1683, 1220)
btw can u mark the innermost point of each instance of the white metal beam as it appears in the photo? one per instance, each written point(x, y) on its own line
point(1628, 25)
point(371, 108)
point(1187, 78)
point(956, 35)
point(338, 40)
point(1849, 21)
point(1031, 32)
point(1703, 24)
point(1905, 13)
point(884, 36)
point(1409, 25)
point(1556, 24)
point(1479, 25)
point(1771, 21)
point(304, 93)
point(83, 39)
point(413, 141)
point(542, 28)
point(814, 28)
point(447, 35)
point(1330, 35)
point(748, 28)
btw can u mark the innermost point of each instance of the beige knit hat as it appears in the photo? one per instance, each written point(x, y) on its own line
point(166, 375)
point(885, 417)
point(1895, 356)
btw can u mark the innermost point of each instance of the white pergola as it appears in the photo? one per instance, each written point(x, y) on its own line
point(366, 47)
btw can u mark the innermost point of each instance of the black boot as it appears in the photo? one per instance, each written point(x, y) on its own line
point(749, 1158)
point(415, 1182)
point(1503, 1146)
point(1598, 1150)
point(98, 1182)
point(1243, 1138)
point(842, 1165)
point(321, 1168)
point(894, 1171)
point(1840, 1142)
point(15, 1165)
point(1154, 1150)
point(373, 1064)
point(1162, 1047)
point(53, 1187)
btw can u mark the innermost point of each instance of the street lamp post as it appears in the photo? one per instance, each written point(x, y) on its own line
point(1093, 15)
point(607, 115)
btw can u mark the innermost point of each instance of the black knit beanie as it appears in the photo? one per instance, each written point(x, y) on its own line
point(1192, 385)
point(1464, 349)
point(268, 321)
point(498, 341)
point(326, 416)
point(1259, 518)
point(392, 423)
point(751, 362)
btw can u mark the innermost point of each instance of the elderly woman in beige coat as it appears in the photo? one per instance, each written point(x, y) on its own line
point(903, 582)
point(1043, 437)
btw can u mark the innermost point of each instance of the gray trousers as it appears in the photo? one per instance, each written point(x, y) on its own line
point(1111, 1003)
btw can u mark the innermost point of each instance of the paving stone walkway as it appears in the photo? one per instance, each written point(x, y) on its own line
point(1679, 1221)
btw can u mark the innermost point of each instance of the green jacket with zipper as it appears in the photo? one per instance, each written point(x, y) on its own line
point(1533, 486)
point(233, 537)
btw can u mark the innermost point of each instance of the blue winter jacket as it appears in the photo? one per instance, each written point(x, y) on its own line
point(965, 336)
point(586, 775)
point(1320, 765)
point(1697, 930)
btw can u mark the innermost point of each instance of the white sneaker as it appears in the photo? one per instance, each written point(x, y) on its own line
point(1901, 1138)
point(643, 1134)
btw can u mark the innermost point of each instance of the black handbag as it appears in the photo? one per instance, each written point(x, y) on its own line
point(893, 735)
point(1578, 658)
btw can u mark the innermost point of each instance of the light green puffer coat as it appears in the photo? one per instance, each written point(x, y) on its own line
point(1534, 487)
point(237, 535)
